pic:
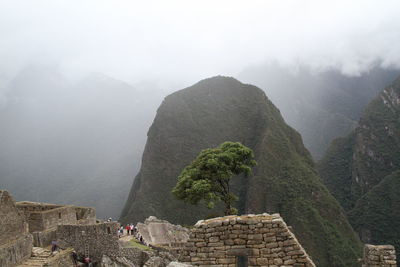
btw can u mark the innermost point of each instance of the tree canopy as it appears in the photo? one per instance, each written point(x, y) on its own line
point(207, 177)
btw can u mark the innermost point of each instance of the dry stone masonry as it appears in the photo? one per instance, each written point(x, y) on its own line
point(15, 240)
point(379, 256)
point(43, 219)
point(249, 240)
point(95, 240)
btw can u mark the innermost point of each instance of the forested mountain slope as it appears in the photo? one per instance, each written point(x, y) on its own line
point(362, 170)
point(320, 105)
point(223, 109)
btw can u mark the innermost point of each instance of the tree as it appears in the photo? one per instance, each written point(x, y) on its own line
point(207, 177)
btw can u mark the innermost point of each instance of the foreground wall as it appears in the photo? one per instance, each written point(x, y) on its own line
point(16, 251)
point(99, 239)
point(250, 240)
point(15, 241)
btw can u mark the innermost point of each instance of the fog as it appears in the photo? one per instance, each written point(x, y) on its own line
point(190, 40)
point(80, 81)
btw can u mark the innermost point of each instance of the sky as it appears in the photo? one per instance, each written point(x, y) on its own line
point(187, 40)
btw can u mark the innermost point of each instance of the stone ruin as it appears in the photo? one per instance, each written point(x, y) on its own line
point(44, 218)
point(248, 240)
point(230, 241)
point(15, 240)
point(379, 256)
point(156, 232)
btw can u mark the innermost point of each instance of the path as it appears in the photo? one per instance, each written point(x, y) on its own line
point(38, 258)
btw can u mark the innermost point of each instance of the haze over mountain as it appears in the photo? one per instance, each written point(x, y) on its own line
point(321, 105)
point(74, 131)
point(362, 170)
point(223, 109)
point(77, 143)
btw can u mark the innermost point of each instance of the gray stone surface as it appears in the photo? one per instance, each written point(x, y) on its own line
point(379, 256)
point(178, 264)
point(44, 238)
point(45, 216)
point(158, 232)
point(16, 251)
point(118, 262)
point(100, 239)
point(264, 240)
point(15, 241)
point(12, 221)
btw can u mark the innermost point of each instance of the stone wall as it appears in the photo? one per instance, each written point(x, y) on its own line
point(28, 206)
point(135, 255)
point(49, 219)
point(16, 251)
point(15, 241)
point(254, 240)
point(45, 216)
point(61, 259)
point(12, 221)
point(44, 238)
point(379, 256)
point(85, 215)
point(101, 239)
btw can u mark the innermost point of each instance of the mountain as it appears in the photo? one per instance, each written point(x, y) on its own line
point(321, 105)
point(223, 109)
point(73, 142)
point(355, 164)
point(362, 170)
point(376, 215)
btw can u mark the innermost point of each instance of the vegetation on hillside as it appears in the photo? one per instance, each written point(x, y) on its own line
point(377, 214)
point(284, 180)
point(362, 170)
point(208, 176)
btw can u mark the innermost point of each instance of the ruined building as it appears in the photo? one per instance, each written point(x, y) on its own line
point(43, 219)
point(27, 228)
point(15, 240)
point(250, 240)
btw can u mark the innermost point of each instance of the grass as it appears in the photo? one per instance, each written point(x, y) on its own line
point(135, 243)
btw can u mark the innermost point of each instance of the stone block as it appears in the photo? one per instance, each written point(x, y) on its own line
point(262, 261)
point(239, 241)
point(213, 239)
point(226, 261)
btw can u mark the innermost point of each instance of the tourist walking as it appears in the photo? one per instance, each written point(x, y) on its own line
point(132, 229)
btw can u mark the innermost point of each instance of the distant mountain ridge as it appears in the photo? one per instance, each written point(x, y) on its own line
point(362, 170)
point(223, 109)
point(320, 105)
point(74, 143)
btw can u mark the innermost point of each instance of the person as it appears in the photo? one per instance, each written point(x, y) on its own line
point(88, 262)
point(132, 229)
point(128, 228)
point(54, 246)
point(121, 231)
point(75, 258)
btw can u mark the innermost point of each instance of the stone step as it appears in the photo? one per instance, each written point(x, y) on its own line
point(38, 258)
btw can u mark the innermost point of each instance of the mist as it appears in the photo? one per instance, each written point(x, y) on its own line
point(80, 81)
point(191, 40)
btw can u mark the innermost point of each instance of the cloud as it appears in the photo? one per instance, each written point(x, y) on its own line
point(189, 40)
